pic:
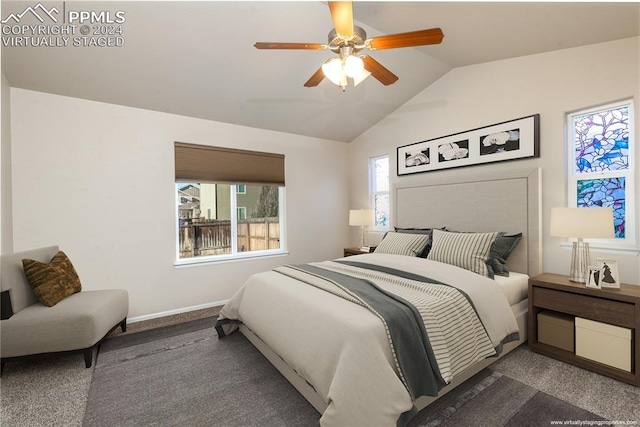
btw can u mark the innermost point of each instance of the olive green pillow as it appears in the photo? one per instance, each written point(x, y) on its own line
point(52, 282)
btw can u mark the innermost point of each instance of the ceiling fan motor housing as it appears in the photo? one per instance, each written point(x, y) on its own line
point(336, 41)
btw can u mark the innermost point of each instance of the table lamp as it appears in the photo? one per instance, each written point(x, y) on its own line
point(362, 218)
point(581, 223)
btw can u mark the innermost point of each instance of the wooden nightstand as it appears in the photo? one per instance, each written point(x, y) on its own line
point(608, 307)
point(354, 251)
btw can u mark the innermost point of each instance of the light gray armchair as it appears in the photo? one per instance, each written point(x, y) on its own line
point(78, 323)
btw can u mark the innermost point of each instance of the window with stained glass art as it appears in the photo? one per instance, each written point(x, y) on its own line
point(601, 140)
point(604, 193)
point(601, 165)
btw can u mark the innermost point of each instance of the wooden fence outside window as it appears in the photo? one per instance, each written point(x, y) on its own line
point(213, 237)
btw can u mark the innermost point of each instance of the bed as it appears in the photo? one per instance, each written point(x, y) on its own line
point(338, 350)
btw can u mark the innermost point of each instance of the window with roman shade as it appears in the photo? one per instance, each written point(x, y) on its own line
point(203, 163)
point(229, 203)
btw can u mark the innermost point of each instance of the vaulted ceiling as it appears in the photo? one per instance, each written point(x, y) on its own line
point(197, 58)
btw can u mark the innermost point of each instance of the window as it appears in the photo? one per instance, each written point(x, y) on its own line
point(242, 212)
point(379, 179)
point(256, 227)
point(206, 228)
point(601, 166)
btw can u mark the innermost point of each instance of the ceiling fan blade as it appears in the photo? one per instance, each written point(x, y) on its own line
point(414, 38)
point(315, 80)
point(342, 15)
point(379, 71)
point(306, 46)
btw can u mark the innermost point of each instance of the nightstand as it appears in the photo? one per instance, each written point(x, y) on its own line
point(354, 251)
point(609, 313)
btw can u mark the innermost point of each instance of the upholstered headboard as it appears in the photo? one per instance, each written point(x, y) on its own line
point(508, 202)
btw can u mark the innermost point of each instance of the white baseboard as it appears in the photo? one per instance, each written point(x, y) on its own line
point(176, 311)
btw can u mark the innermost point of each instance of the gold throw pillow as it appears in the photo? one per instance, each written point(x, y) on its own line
point(52, 282)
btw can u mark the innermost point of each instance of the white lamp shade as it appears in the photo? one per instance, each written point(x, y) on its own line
point(360, 77)
point(332, 70)
point(582, 222)
point(361, 217)
point(353, 66)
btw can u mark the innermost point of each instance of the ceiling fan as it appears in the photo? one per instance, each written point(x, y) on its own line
point(347, 40)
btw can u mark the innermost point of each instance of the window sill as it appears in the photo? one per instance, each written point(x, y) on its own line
point(595, 247)
point(218, 259)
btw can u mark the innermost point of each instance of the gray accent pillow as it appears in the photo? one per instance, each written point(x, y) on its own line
point(506, 243)
point(403, 244)
point(500, 251)
point(470, 251)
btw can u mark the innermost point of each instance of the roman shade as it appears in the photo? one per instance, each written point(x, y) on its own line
point(203, 163)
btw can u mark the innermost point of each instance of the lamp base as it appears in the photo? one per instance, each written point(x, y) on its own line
point(580, 257)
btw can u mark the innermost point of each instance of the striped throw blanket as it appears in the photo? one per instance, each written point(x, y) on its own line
point(433, 329)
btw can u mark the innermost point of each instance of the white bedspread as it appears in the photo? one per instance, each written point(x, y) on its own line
point(341, 348)
point(515, 287)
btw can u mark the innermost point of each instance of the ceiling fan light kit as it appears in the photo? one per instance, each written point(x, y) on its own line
point(347, 40)
point(347, 65)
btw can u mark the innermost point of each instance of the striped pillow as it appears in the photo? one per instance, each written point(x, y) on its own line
point(403, 244)
point(427, 231)
point(465, 250)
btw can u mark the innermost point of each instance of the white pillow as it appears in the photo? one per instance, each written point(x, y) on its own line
point(403, 244)
point(465, 250)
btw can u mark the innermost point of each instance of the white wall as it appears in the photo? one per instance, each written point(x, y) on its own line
point(98, 180)
point(6, 224)
point(551, 84)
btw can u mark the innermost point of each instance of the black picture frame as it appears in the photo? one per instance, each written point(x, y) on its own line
point(511, 140)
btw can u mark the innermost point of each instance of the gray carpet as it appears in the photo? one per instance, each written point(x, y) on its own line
point(184, 375)
point(609, 398)
point(50, 391)
point(492, 399)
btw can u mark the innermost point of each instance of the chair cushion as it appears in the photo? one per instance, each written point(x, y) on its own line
point(77, 322)
point(52, 282)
